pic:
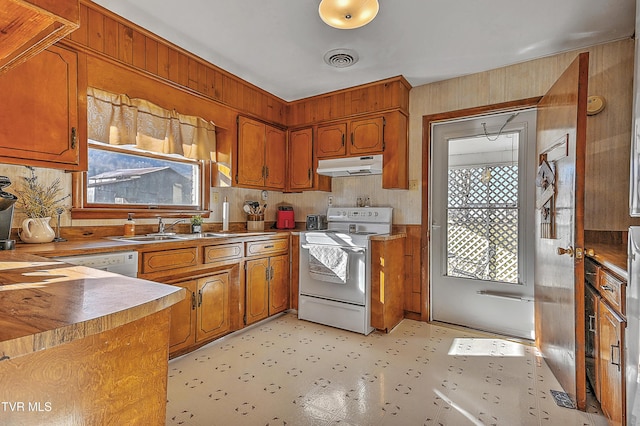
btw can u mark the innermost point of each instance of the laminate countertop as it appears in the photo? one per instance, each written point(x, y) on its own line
point(46, 303)
point(611, 256)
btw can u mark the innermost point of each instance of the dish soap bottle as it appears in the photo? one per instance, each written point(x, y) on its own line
point(130, 226)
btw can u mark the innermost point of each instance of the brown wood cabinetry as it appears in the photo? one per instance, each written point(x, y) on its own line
point(351, 138)
point(592, 356)
point(29, 27)
point(206, 311)
point(385, 134)
point(183, 318)
point(604, 351)
point(261, 155)
point(267, 279)
point(611, 366)
point(301, 168)
point(267, 287)
point(211, 275)
point(40, 101)
point(164, 260)
point(387, 282)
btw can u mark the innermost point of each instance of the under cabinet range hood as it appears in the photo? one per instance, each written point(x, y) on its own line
point(351, 166)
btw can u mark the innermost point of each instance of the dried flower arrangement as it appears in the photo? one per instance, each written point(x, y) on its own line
point(38, 200)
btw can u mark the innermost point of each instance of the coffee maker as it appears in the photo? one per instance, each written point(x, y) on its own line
point(7, 201)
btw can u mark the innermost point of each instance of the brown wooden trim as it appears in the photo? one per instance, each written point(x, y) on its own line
point(427, 121)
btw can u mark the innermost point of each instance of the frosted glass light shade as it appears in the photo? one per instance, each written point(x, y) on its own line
point(348, 14)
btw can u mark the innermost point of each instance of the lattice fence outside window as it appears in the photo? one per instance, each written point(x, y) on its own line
point(482, 238)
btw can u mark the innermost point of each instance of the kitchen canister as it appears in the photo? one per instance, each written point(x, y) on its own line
point(255, 222)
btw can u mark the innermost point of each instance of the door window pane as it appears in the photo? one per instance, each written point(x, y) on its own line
point(482, 209)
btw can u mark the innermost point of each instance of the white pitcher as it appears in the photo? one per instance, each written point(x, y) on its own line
point(37, 230)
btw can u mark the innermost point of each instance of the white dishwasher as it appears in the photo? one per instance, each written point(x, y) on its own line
point(120, 262)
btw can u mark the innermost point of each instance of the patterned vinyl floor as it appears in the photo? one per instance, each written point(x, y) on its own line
point(291, 372)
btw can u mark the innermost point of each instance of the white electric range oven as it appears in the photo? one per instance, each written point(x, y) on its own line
point(335, 268)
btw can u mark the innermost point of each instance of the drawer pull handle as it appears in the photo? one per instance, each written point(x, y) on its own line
point(613, 347)
point(593, 274)
point(592, 322)
point(269, 246)
point(607, 288)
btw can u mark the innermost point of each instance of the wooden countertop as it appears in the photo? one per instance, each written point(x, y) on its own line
point(612, 257)
point(45, 303)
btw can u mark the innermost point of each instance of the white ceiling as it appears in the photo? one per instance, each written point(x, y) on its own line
point(279, 45)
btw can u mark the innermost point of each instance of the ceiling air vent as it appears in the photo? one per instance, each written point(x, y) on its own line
point(341, 58)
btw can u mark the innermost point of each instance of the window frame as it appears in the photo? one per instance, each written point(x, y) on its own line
point(82, 210)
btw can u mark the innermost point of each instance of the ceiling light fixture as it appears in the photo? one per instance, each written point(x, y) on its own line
point(348, 14)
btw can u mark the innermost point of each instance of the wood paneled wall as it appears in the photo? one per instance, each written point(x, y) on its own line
point(106, 33)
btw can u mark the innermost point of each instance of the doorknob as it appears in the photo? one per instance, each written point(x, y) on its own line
point(568, 250)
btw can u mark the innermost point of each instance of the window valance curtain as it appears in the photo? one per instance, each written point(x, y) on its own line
point(116, 119)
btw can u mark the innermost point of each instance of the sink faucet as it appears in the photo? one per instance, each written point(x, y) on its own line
point(162, 228)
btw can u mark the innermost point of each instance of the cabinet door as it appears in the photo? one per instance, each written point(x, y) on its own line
point(367, 136)
point(301, 159)
point(213, 306)
point(28, 27)
point(331, 140)
point(591, 299)
point(39, 111)
point(611, 331)
point(257, 291)
point(278, 284)
point(251, 142)
point(275, 158)
point(183, 314)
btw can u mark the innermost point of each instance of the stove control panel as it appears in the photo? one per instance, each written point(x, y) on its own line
point(360, 214)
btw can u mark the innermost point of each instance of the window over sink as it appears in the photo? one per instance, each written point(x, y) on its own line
point(125, 179)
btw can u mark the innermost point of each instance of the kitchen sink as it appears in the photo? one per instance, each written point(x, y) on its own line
point(143, 238)
point(182, 237)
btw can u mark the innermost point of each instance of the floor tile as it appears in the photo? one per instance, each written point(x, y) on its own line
point(291, 372)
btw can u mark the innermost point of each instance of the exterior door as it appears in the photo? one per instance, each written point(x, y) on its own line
point(559, 263)
point(482, 222)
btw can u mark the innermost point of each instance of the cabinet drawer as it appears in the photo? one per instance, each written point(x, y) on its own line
point(590, 272)
point(256, 248)
point(169, 259)
point(222, 252)
point(613, 290)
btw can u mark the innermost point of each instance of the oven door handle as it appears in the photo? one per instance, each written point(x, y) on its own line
point(353, 249)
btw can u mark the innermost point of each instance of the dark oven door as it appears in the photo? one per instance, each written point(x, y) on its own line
point(333, 272)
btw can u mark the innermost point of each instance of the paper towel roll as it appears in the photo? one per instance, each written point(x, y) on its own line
point(225, 215)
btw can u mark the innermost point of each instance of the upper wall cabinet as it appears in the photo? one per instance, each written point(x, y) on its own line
point(29, 27)
point(385, 134)
point(262, 153)
point(301, 159)
point(351, 138)
point(39, 111)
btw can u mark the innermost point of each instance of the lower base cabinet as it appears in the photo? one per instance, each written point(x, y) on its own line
point(206, 312)
point(611, 365)
point(267, 291)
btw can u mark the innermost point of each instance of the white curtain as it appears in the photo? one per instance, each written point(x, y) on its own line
point(116, 119)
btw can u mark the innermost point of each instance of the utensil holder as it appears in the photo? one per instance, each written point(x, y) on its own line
point(255, 222)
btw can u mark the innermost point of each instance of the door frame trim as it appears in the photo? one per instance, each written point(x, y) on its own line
point(427, 121)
